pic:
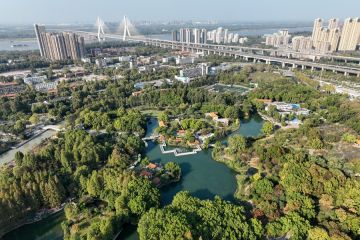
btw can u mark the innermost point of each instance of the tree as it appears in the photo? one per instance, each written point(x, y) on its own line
point(292, 224)
point(164, 116)
point(142, 196)
point(94, 184)
point(18, 158)
point(237, 144)
point(268, 128)
point(350, 138)
point(34, 119)
point(164, 224)
point(71, 211)
point(318, 233)
point(231, 112)
point(19, 126)
point(174, 169)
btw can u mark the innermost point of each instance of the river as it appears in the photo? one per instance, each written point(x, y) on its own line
point(31, 44)
point(201, 176)
point(24, 44)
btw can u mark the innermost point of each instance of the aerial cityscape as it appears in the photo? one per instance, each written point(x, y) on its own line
point(233, 120)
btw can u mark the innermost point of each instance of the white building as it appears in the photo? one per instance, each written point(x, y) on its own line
point(184, 60)
point(124, 58)
point(278, 39)
point(198, 71)
point(35, 80)
point(44, 87)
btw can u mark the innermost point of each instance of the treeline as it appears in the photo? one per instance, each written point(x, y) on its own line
point(59, 170)
point(188, 217)
point(335, 108)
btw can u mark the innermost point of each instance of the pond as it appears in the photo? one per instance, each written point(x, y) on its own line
point(201, 176)
point(46, 229)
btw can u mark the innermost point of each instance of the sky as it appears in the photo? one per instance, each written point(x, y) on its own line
point(86, 11)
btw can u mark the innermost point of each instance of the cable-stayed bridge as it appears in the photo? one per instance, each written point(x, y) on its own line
point(128, 32)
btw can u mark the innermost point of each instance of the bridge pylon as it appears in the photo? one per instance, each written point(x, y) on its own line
point(126, 28)
point(100, 24)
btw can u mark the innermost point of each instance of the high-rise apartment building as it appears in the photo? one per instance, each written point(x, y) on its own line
point(175, 36)
point(333, 23)
point(326, 40)
point(278, 39)
point(182, 34)
point(197, 35)
point(350, 36)
point(302, 44)
point(188, 35)
point(318, 25)
point(59, 46)
point(203, 35)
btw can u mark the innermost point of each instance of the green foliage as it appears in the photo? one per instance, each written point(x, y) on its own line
point(292, 224)
point(317, 233)
point(350, 138)
point(237, 144)
point(268, 128)
point(142, 196)
point(190, 218)
point(174, 169)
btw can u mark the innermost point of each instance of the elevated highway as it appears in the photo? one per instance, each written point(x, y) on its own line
point(268, 56)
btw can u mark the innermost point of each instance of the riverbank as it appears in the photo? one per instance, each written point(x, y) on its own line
point(39, 216)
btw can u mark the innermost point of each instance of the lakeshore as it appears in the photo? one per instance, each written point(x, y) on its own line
point(201, 176)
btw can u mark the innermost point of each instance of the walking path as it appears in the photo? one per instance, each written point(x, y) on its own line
point(175, 151)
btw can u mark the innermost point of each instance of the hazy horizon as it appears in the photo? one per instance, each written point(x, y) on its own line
point(86, 11)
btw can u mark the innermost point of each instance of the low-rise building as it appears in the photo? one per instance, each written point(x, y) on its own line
point(213, 115)
point(137, 93)
point(162, 124)
point(223, 121)
point(288, 108)
point(184, 60)
point(45, 87)
point(35, 80)
point(86, 60)
point(101, 62)
point(184, 80)
point(201, 70)
point(125, 58)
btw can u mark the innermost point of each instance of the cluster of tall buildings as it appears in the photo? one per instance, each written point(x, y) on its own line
point(59, 46)
point(195, 35)
point(301, 43)
point(330, 39)
point(190, 35)
point(323, 40)
point(221, 35)
point(326, 39)
point(281, 38)
point(334, 37)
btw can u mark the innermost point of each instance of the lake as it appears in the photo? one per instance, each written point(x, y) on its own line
point(201, 176)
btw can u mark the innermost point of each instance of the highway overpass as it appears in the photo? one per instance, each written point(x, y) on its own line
point(245, 53)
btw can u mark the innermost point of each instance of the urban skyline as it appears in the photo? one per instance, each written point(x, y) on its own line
point(336, 36)
point(44, 11)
